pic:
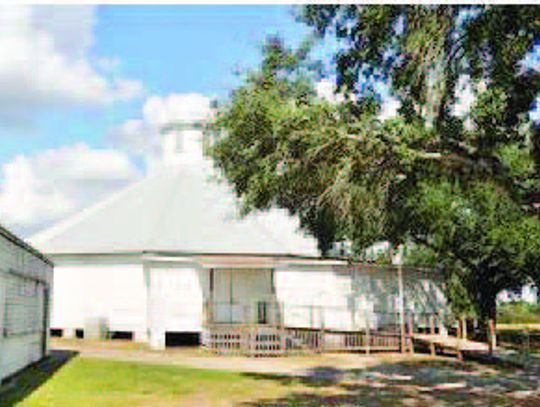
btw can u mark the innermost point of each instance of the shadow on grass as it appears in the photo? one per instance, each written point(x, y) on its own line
point(415, 383)
point(19, 386)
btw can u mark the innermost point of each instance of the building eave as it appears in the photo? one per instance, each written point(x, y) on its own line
point(207, 259)
point(4, 232)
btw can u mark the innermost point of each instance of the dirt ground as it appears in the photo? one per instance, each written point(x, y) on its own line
point(95, 373)
point(199, 358)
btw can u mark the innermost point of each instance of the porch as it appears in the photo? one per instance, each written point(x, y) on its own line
point(263, 331)
point(364, 309)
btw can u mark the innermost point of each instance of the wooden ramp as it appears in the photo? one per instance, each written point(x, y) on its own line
point(452, 344)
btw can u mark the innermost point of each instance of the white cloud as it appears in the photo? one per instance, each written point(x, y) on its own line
point(535, 112)
point(326, 89)
point(80, 162)
point(465, 97)
point(134, 136)
point(23, 198)
point(38, 189)
point(160, 111)
point(389, 108)
point(108, 64)
point(139, 136)
point(44, 62)
point(71, 28)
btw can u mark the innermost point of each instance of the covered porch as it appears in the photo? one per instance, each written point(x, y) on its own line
point(357, 309)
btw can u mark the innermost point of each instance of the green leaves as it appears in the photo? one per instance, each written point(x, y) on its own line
point(478, 234)
point(462, 188)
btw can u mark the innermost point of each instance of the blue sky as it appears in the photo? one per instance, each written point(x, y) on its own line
point(190, 48)
point(169, 49)
point(72, 76)
point(83, 85)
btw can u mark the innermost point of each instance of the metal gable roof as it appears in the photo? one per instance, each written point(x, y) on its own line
point(182, 209)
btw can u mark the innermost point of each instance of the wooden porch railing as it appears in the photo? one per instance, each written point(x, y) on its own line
point(268, 335)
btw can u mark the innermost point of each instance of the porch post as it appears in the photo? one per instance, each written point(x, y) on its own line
point(401, 299)
point(492, 336)
point(368, 333)
point(411, 333)
point(432, 332)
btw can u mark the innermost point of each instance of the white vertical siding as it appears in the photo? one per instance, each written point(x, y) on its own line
point(345, 299)
point(177, 296)
point(314, 298)
point(113, 293)
point(24, 278)
point(168, 295)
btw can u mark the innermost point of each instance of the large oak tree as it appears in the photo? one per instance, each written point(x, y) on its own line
point(467, 188)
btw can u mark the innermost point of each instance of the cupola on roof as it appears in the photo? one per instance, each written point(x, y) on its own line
point(182, 206)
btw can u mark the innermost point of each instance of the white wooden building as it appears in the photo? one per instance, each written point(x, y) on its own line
point(528, 293)
point(25, 287)
point(160, 259)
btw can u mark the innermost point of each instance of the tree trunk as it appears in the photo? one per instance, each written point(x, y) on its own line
point(487, 307)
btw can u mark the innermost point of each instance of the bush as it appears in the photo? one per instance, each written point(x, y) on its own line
point(518, 313)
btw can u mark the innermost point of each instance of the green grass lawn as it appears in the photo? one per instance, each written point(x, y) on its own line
point(518, 313)
point(518, 326)
point(85, 381)
point(95, 382)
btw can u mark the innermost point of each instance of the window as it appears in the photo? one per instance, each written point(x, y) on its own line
point(22, 311)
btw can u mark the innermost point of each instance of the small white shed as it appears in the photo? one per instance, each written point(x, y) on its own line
point(25, 288)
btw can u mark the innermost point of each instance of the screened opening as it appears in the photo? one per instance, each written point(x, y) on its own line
point(182, 339)
point(122, 335)
point(23, 310)
point(79, 333)
point(262, 312)
point(56, 333)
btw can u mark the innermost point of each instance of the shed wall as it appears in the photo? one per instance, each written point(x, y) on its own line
point(25, 283)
